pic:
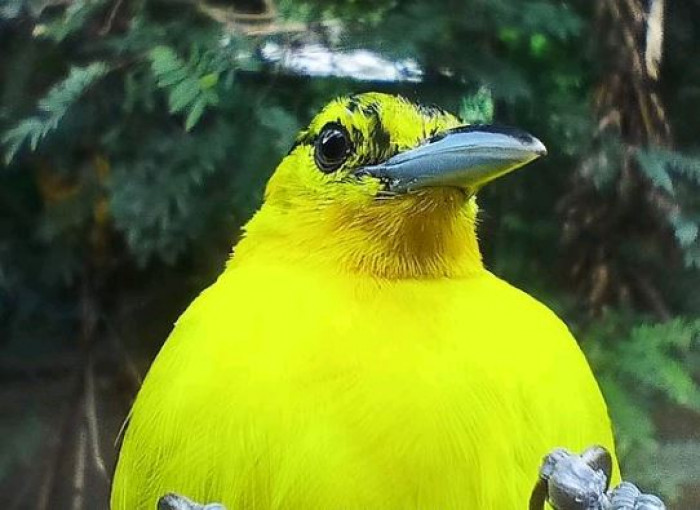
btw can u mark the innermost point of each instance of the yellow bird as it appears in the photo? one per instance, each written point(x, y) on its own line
point(355, 353)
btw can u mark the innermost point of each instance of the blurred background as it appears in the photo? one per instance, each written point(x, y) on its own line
point(137, 136)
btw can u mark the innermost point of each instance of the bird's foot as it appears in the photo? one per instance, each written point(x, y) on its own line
point(175, 502)
point(567, 481)
point(580, 482)
point(627, 496)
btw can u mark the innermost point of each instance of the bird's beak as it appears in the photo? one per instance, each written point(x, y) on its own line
point(466, 157)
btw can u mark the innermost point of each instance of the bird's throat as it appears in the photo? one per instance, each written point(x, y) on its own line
point(408, 237)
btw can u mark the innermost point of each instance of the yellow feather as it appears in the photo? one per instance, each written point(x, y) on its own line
point(355, 354)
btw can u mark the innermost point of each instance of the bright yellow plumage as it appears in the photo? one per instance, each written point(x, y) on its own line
point(355, 354)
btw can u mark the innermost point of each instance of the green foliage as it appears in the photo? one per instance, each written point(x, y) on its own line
point(191, 85)
point(660, 165)
point(13, 9)
point(161, 213)
point(678, 175)
point(477, 108)
point(642, 366)
point(73, 20)
point(52, 108)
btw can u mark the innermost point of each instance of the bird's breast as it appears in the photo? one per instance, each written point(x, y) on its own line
point(312, 390)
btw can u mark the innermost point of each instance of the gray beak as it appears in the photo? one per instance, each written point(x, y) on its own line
point(466, 157)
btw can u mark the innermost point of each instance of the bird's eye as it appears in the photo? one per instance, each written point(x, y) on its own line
point(333, 147)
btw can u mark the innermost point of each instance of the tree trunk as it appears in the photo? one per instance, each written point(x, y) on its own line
point(610, 203)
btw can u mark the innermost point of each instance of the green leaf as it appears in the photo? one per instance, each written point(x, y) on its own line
point(172, 77)
point(75, 18)
point(164, 59)
point(15, 137)
point(686, 232)
point(52, 108)
point(680, 164)
point(687, 166)
point(477, 108)
point(191, 85)
point(183, 94)
point(195, 113)
point(538, 44)
point(209, 80)
point(654, 167)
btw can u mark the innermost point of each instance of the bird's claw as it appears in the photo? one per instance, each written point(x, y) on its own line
point(176, 502)
point(567, 481)
point(573, 482)
point(580, 482)
point(627, 496)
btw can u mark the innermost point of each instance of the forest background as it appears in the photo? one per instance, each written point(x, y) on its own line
point(137, 136)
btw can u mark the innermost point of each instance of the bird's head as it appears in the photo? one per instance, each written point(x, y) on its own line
point(379, 185)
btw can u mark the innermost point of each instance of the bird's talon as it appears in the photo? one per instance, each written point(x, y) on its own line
point(550, 462)
point(572, 482)
point(627, 496)
point(599, 459)
point(176, 502)
point(580, 482)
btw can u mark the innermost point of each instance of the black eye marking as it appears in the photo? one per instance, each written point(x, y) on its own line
point(353, 104)
point(332, 147)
